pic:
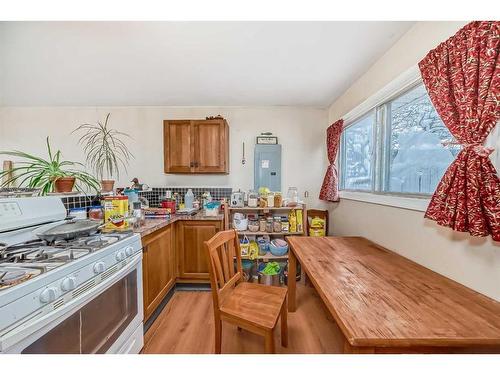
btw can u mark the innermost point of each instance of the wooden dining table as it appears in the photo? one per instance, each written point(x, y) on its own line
point(385, 303)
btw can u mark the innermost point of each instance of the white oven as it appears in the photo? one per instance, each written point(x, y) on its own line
point(103, 315)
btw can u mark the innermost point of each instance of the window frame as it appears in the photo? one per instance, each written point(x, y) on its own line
point(379, 103)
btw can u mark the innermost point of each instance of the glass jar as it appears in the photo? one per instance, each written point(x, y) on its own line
point(285, 225)
point(269, 225)
point(277, 224)
point(278, 199)
point(253, 199)
point(293, 196)
point(253, 225)
point(96, 213)
point(262, 225)
point(270, 200)
point(262, 202)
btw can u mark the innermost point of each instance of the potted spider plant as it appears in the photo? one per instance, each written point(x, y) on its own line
point(105, 151)
point(48, 175)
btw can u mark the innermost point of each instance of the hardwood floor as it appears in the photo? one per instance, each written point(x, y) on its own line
point(186, 326)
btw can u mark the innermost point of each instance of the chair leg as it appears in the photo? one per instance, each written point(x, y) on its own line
point(218, 336)
point(284, 324)
point(269, 342)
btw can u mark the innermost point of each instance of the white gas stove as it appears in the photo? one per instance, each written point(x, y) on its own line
point(82, 295)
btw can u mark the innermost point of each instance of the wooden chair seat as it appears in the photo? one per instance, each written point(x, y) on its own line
point(257, 304)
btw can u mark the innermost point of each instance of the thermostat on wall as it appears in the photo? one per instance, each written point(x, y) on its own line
point(267, 139)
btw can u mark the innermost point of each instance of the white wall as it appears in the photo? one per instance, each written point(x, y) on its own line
point(474, 262)
point(301, 131)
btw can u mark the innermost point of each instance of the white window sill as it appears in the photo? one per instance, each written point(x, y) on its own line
point(408, 203)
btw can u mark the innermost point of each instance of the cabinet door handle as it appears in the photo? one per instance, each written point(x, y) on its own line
point(191, 164)
point(196, 164)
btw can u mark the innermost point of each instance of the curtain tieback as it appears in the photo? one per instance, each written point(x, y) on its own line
point(480, 149)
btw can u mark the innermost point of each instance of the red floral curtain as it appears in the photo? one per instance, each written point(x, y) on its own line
point(329, 190)
point(462, 77)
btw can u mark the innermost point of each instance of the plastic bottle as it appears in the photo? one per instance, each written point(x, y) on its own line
point(188, 199)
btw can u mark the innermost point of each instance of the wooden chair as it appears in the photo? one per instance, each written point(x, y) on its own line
point(323, 214)
point(250, 306)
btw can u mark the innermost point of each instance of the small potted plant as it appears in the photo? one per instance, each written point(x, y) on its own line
point(48, 175)
point(105, 151)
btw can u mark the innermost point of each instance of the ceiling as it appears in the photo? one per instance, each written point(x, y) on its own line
point(187, 63)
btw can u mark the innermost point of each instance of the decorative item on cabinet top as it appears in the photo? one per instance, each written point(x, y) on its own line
point(196, 146)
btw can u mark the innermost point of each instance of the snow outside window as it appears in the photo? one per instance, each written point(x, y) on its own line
point(400, 147)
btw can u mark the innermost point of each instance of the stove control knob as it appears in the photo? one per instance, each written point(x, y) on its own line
point(99, 267)
point(48, 295)
point(129, 250)
point(120, 255)
point(69, 283)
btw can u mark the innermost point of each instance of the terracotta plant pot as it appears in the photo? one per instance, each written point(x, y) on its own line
point(64, 184)
point(107, 185)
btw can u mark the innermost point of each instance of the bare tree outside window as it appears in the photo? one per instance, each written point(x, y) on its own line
point(418, 155)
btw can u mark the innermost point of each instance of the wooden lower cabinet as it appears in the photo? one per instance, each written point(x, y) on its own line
point(173, 254)
point(192, 261)
point(158, 265)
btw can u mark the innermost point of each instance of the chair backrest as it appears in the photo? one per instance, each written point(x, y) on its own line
point(222, 250)
point(323, 214)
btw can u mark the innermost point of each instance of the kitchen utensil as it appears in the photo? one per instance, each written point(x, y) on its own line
point(237, 199)
point(68, 230)
point(278, 247)
point(269, 278)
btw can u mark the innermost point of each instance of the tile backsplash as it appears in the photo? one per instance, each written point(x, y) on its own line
point(153, 196)
point(156, 194)
point(79, 201)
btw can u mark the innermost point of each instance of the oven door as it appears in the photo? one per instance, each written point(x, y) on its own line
point(107, 320)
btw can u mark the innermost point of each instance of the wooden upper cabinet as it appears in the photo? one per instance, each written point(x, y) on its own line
point(196, 146)
point(177, 136)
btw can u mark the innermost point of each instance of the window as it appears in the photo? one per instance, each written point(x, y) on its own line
point(358, 145)
point(401, 147)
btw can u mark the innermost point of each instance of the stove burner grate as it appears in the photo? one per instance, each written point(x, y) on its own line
point(13, 277)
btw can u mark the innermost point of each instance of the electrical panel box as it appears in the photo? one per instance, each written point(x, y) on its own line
point(267, 167)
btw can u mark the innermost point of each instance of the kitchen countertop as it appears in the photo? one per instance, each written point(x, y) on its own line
point(152, 225)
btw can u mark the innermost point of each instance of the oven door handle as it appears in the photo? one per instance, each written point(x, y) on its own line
point(13, 335)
